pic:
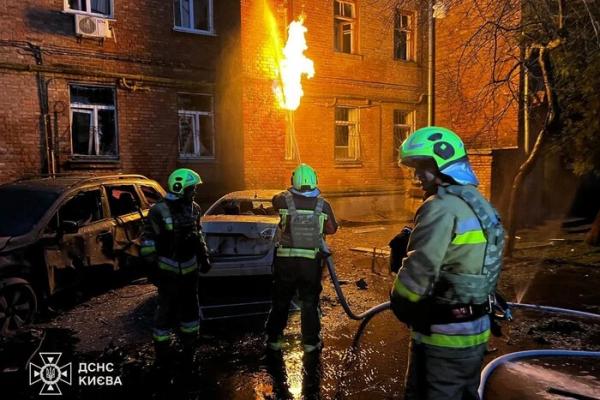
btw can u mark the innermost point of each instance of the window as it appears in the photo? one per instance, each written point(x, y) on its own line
point(347, 143)
point(151, 195)
point(194, 15)
point(404, 36)
point(196, 126)
point(344, 25)
point(403, 126)
point(84, 208)
point(93, 121)
point(101, 7)
point(122, 200)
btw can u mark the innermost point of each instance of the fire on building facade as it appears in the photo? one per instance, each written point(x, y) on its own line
point(148, 86)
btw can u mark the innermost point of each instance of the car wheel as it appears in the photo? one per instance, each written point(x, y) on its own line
point(18, 305)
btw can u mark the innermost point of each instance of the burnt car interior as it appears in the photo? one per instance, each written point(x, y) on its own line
point(244, 207)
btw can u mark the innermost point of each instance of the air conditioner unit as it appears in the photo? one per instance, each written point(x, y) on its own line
point(94, 27)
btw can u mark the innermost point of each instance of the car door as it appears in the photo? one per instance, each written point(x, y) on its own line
point(126, 210)
point(78, 236)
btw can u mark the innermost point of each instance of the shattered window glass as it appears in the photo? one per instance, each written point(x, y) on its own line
point(84, 208)
point(344, 19)
point(403, 36)
point(196, 126)
point(93, 121)
point(122, 199)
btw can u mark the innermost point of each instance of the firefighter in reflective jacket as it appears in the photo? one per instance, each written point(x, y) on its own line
point(305, 218)
point(173, 241)
point(444, 287)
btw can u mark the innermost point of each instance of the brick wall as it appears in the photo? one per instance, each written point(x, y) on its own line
point(370, 80)
point(145, 45)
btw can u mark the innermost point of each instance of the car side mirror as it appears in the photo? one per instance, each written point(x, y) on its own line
point(69, 226)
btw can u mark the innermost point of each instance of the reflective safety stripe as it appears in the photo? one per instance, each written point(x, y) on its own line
point(167, 264)
point(454, 341)
point(291, 252)
point(160, 335)
point(466, 225)
point(146, 250)
point(405, 292)
point(472, 237)
point(477, 326)
point(189, 327)
point(168, 223)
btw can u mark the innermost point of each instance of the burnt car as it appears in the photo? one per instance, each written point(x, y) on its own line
point(240, 230)
point(54, 229)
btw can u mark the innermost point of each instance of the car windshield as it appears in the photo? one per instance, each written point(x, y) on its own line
point(21, 208)
point(243, 207)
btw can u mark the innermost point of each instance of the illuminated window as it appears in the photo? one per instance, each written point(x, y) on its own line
point(194, 15)
point(403, 126)
point(196, 126)
point(347, 141)
point(93, 121)
point(404, 36)
point(344, 26)
point(100, 7)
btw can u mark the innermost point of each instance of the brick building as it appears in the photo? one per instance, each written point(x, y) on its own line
point(189, 84)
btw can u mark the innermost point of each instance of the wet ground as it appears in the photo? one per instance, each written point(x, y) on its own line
point(110, 322)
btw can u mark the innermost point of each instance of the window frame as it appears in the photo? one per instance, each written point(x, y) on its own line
point(67, 8)
point(197, 135)
point(355, 141)
point(411, 47)
point(339, 21)
point(93, 109)
point(410, 125)
point(189, 29)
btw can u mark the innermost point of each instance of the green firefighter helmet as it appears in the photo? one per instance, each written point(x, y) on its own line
point(440, 144)
point(182, 178)
point(304, 178)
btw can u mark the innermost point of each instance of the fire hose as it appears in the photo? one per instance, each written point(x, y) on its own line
point(340, 294)
point(489, 369)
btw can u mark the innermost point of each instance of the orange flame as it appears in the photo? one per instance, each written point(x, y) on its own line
point(292, 66)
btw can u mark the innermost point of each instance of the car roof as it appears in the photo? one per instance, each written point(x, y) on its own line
point(61, 183)
point(252, 194)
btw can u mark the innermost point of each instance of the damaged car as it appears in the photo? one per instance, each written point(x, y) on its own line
point(53, 229)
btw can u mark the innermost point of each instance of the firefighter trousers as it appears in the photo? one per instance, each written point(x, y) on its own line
point(177, 306)
point(442, 373)
point(293, 274)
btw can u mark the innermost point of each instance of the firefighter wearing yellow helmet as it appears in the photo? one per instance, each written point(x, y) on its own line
point(173, 241)
point(305, 219)
point(448, 276)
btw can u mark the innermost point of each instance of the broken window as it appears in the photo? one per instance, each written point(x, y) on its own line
point(194, 15)
point(404, 36)
point(403, 126)
point(344, 25)
point(122, 199)
point(347, 143)
point(196, 126)
point(103, 7)
point(84, 208)
point(152, 196)
point(93, 121)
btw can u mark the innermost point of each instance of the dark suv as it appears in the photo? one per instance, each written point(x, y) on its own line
point(53, 229)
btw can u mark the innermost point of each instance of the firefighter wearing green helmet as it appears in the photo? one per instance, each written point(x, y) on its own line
point(305, 219)
point(447, 280)
point(173, 242)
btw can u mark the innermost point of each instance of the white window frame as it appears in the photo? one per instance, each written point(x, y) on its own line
point(409, 125)
point(93, 110)
point(88, 4)
point(190, 29)
point(339, 21)
point(353, 137)
point(410, 34)
point(195, 115)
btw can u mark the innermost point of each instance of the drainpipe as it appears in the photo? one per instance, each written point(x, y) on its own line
point(526, 103)
point(430, 64)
